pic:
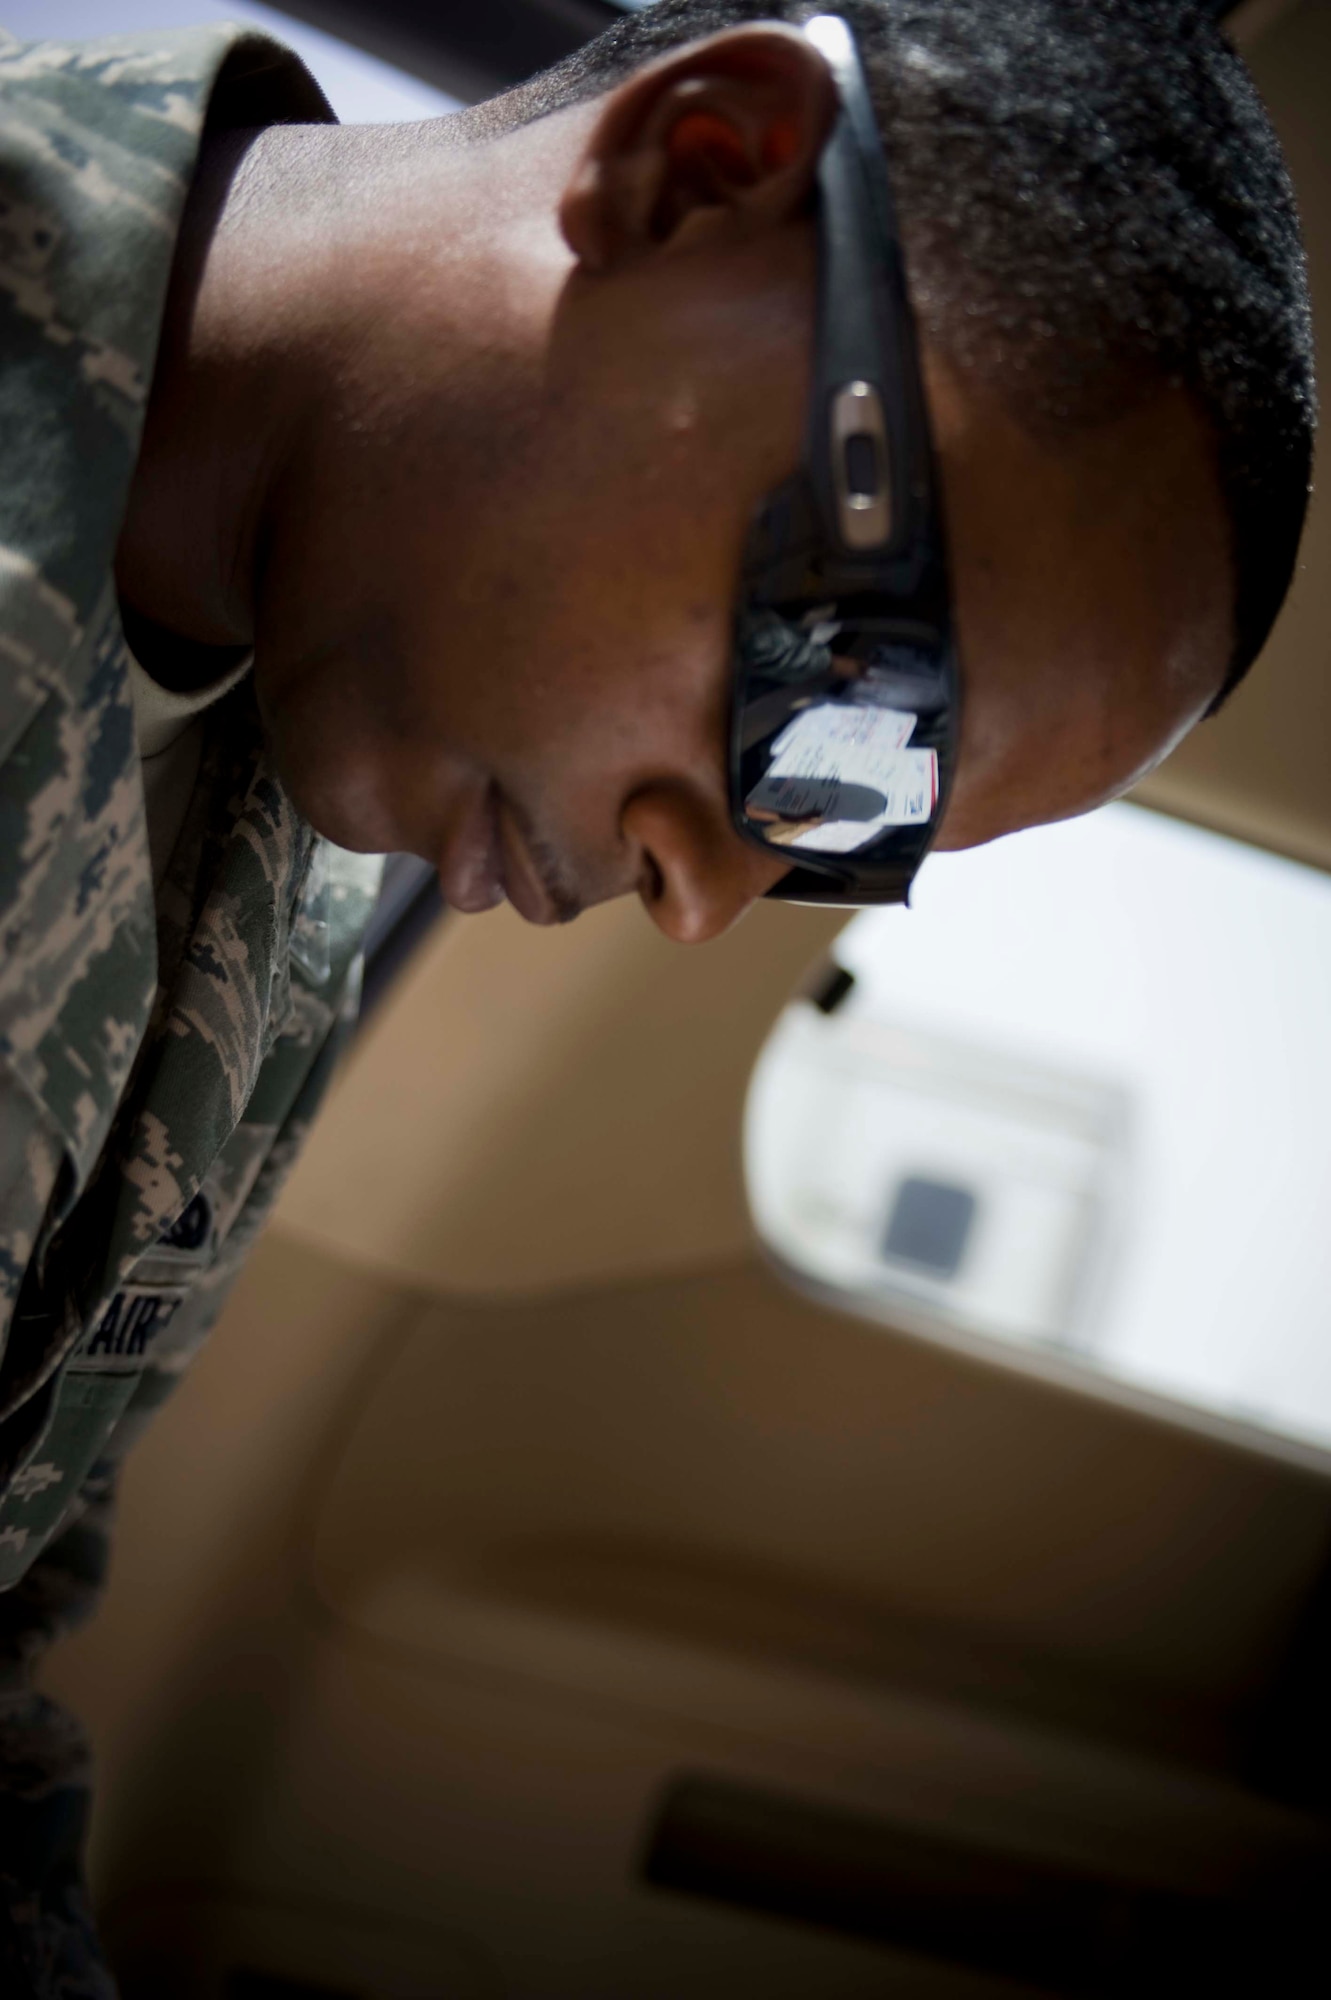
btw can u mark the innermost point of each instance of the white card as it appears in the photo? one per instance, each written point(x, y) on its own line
point(911, 793)
point(838, 740)
point(857, 746)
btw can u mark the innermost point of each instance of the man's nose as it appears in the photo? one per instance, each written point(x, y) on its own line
point(697, 875)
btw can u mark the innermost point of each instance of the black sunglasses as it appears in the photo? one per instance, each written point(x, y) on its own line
point(846, 683)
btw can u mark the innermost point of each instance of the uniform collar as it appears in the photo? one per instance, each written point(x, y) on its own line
point(161, 715)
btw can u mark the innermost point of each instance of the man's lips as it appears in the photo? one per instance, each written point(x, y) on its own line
point(487, 860)
point(525, 885)
point(471, 870)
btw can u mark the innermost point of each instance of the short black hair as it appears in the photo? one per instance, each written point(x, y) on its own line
point(1094, 202)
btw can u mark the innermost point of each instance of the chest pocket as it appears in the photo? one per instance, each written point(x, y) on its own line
point(140, 1340)
point(134, 1330)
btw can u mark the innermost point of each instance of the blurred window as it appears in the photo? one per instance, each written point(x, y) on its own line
point(1072, 1111)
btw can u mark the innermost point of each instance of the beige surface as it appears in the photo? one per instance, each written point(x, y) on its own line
point(714, 1462)
point(202, 1638)
point(1262, 769)
point(418, 1605)
point(543, 1108)
point(516, 1818)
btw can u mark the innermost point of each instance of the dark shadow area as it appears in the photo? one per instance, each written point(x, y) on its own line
point(1020, 1917)
point(1287, 1738)
point(467, 50)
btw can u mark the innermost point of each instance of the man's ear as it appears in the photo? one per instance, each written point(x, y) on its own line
point(724, 131)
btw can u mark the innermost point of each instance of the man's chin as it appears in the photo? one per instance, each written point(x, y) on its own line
point(343, 797)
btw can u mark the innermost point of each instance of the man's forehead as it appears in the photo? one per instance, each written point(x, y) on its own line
point(1093, 582)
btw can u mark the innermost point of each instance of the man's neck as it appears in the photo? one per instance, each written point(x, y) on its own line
point(228, 391)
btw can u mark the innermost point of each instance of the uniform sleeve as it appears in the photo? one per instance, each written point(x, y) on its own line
point(29, 1164)
point(48, 1941)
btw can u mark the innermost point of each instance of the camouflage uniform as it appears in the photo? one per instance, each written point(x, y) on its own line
point(159, 1062)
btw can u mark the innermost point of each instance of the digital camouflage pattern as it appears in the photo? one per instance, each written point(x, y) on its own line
point(158, 1064)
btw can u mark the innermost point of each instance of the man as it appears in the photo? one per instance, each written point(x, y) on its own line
point(390, 489)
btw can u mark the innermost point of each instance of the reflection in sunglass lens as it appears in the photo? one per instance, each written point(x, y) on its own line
point(838, 730)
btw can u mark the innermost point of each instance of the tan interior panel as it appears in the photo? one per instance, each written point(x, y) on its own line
point(516, 1819)
point(540, 1108)
point(718, 1463)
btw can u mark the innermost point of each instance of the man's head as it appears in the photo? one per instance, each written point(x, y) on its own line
point(532, 374)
